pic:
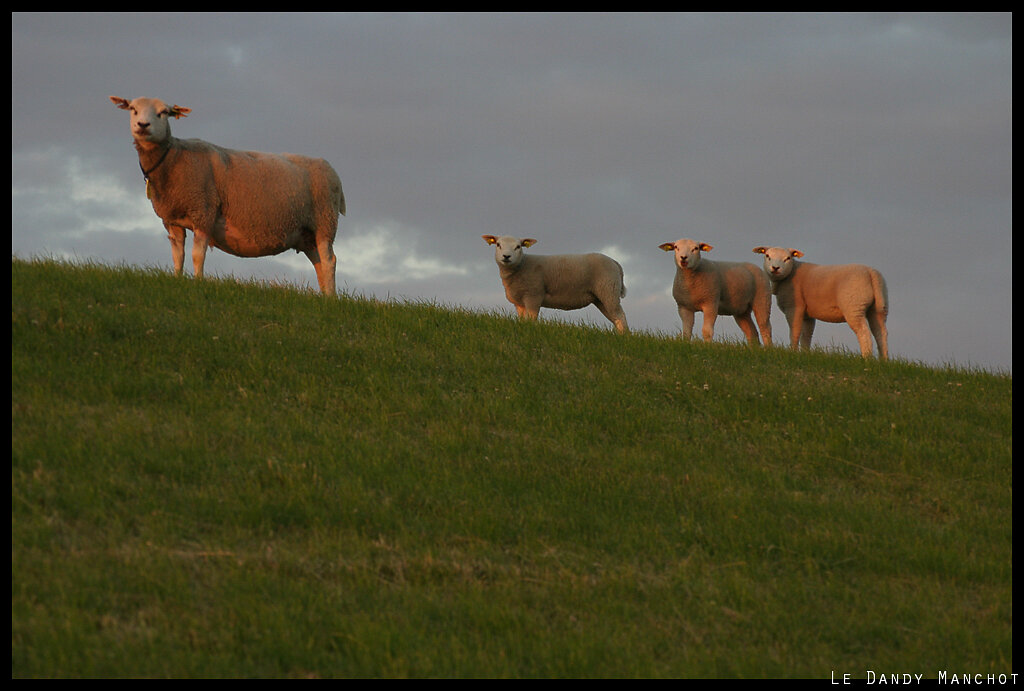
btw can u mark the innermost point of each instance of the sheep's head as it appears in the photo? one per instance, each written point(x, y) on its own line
point(778, 262)
point(150, 118)
point(508, 251)
point(687, 252)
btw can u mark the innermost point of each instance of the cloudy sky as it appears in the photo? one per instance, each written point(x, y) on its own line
point(882, 139)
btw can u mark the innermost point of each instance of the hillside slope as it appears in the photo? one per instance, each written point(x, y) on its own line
point(222, 479)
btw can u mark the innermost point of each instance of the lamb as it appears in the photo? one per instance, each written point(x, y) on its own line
point(716, 287)
point(246, 203)
point(851, 293)
point(559, 281)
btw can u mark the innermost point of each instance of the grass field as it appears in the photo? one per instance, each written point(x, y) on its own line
point(221, 479)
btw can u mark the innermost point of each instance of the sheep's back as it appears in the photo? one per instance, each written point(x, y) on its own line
point(832, 291)
point(571, 281)
point(250, 202)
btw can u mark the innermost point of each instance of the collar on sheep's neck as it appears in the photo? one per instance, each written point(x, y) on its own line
point(146, 173)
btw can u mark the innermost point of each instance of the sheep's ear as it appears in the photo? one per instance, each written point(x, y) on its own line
point(527, 242)
point(705, 247)
point(490, 239)
point(121, 103)
point(179, 111)
point(667, 246)
point(760, 250)
point(796, 253)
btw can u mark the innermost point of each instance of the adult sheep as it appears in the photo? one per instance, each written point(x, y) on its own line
point(558, 281)
point(246, 203)
point(715, 287)
point(851, 293)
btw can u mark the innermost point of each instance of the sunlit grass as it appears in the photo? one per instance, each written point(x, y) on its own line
point(221, 479)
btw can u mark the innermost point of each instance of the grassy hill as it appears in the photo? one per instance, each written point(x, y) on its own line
point(220, 479)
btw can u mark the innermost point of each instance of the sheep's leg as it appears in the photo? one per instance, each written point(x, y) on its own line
point(764, 325)
point(325, 264)
point(530, 309)
point(620, 322)
point(746, 324)
point(328, 264)
point(800, 329)
point(877, 324)
point(615, 315)
point(859, 324)
point(687, 316)
point(806, 332)
point(200, 241)
point(708, 329)
point(176, 235)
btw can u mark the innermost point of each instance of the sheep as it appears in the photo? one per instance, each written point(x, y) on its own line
point(851, 293)
point(716, 287)
point(558, 281)
point(246, 203)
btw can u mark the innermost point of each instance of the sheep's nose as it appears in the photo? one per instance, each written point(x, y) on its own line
point(143, 125)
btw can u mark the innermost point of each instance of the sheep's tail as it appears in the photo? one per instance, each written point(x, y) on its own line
point(337, 194)
point(622, 281)
point(881, 293)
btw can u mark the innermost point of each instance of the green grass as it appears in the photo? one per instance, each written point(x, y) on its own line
point(221, 479)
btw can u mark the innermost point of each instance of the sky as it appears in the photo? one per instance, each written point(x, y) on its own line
point(881, 139)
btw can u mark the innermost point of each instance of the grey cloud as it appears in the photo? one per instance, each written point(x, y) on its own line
point(874, 138)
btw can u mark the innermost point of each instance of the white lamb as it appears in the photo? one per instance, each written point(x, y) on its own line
point(558, 281)
point(246, 203)
point(714, 288)
point(851, 293)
